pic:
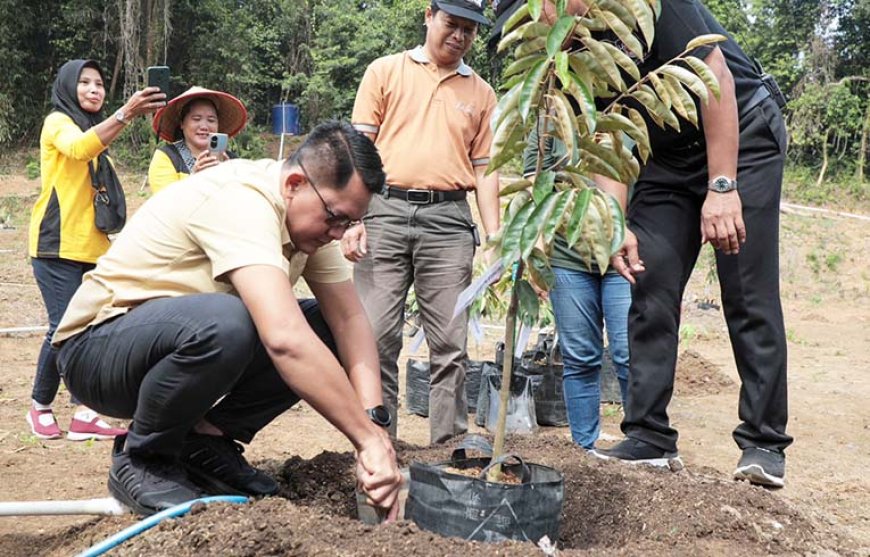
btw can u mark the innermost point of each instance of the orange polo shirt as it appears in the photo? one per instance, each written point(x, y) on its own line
point(431, 131)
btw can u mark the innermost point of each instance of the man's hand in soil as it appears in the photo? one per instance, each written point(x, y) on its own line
point(378, 474)
point(353, 243)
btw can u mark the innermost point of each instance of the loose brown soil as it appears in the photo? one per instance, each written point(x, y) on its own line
point(609, 509)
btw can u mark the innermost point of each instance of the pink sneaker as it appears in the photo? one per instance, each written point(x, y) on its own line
point(43, 424)
point(80, 430)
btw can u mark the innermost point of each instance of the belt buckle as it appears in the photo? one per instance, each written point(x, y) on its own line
point(419, 197)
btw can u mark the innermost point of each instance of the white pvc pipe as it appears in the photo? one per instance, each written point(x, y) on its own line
point(105, 506)
point(13, 330)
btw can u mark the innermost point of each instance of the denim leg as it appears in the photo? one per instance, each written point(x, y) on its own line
point(577, 307)
point(58, 280)
point(616, 300)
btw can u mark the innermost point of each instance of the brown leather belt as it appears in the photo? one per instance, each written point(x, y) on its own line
point(423, 197)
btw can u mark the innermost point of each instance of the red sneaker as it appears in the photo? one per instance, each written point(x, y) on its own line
point(80, 430)
point(43, 424)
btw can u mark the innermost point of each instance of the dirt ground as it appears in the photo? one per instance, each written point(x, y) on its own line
point(609, 508)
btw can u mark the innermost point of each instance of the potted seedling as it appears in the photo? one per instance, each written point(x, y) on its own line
point(563, 85)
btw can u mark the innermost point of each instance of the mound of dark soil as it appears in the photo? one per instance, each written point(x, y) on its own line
point(609, 509)
point(698, 376)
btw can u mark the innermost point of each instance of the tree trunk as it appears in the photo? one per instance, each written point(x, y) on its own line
point(824, 169)
point(862, 154)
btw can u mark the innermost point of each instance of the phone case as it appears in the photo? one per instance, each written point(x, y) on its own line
point(158, 76)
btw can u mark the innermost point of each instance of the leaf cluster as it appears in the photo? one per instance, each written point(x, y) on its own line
point(566, 83)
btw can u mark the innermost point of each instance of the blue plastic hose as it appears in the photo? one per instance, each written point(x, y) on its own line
point(154, 520)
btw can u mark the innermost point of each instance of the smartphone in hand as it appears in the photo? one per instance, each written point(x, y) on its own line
point(158, 76)
point(217, 145)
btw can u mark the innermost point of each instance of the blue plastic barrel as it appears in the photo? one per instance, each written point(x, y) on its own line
point(285, 119)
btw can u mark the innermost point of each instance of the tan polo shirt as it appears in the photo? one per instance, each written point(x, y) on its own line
point(431, 131)
point(187, 237)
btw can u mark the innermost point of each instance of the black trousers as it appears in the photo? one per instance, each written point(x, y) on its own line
point(665, 214)
point(171, 362)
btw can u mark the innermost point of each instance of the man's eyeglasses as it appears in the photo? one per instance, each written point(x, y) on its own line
point(333, 220)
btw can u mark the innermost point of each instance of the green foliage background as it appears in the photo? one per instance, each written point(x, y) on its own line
point(313, 53)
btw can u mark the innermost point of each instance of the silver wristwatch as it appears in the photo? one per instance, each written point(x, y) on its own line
point(120, 116)
point(722, 184)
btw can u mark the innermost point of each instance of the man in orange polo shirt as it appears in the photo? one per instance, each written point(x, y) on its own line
point(429, 115)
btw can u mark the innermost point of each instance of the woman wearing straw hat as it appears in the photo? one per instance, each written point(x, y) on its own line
point(186, 123)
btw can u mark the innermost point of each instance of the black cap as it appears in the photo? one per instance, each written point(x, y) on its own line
point(503, 10)
point(466, 9)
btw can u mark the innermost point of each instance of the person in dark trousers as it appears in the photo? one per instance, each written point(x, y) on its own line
point(719, 183)
point(429, 115)
point(189, 325)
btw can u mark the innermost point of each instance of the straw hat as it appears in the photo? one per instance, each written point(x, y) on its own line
point(232, 115)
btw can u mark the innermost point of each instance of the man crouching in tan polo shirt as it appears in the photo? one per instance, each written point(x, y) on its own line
point(429, 115)
point(189, 325)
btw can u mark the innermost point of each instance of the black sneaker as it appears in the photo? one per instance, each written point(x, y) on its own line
point(148, 485)
point(635, 451)
point(761, 467)
point(216, 464)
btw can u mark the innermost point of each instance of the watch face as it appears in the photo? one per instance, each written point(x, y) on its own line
point(381, 415)
point(722, 185)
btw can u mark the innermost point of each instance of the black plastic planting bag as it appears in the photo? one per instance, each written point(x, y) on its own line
point(417, 385)
point(472, 508)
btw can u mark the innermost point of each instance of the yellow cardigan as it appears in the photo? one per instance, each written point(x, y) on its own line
point(162, 172)
point(62, 221)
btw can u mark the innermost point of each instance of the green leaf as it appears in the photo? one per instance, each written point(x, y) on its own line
point(702, 40)
point(514, 187)
point(528, 303)
point(605, 61)
point(574, 228)
point(686, 99)
point(561, 6)
point(660, 90)
point(623, 60)
point(518, 16)
point(540, 272)
point(510, 245)
point(514, 205)
point(507, 142)
point(705, 73)
point(536, 222)
point(530, 47)
point(645, 19)
point(535, 7)
point(624, 33)
point(566, 125)
point(505, 106)
point(600, 237)
point(562, 66)
point(557, 35)
point(559, 215)
point(513, 36)
point(618, 219)
point(532, 88)
point(522, 64)
point(543, 185)
point(618, 10)
point(618, 122)
point(643, 148)
point(692, 81)
point(583, 95)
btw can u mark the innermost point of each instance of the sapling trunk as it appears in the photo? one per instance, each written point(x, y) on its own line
point(494, 474)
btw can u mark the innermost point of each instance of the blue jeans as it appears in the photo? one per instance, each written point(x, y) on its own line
point(582, 304)
point(58, 280)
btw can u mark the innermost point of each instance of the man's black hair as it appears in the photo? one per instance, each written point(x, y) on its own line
point(333, 151)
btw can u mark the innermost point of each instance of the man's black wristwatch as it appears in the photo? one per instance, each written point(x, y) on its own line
point(380, 416)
